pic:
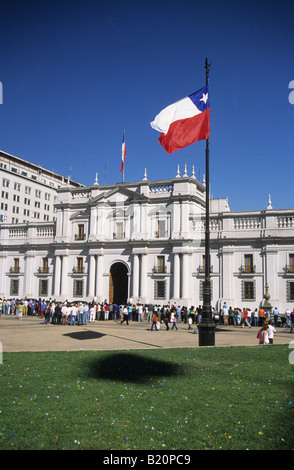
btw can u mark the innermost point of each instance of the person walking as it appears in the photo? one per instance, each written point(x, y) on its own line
point(125, 315)
point(271, 331)
point(174, 323)
point(190, 323)
point(166, 318)
point(154, 321)
point(262, 335)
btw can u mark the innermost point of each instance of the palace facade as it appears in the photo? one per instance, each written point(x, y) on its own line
point(144, 242)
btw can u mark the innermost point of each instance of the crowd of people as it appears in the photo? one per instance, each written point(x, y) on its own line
point(80, 313)
point(256, 317)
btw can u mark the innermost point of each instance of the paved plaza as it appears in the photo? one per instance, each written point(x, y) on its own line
point(31, 334)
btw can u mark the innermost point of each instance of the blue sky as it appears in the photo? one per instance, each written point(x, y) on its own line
point(75, 74)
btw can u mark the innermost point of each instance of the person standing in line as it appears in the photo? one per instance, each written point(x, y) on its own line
point(226, 314)
point(64, 314)
point(80, 313)
point(261, 316)
point(140, 312)
point(73, 314)
point(178, 313)
point(20, 310)
point(106, 312)
point(47, 314)
point(85, 314)
point(255, 317)
point(231, 316)
point(130, 313)
point(92, 313)
point(276, 316)
point(148, 312)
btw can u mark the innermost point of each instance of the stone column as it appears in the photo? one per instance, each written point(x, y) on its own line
point(143, 278)
point(64, 280)
point(176, 276)
point(135, 276)
point(57, 276)
point(91, 292)
point(186, 276)
point(99, 278)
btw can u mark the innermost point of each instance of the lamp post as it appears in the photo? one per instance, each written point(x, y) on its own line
point(207, 326)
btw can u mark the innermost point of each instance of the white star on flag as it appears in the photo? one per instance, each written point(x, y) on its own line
point(204, 97)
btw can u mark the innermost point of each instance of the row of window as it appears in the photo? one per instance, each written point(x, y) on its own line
point(248, 289)
point(160, 267)
point(5, 181)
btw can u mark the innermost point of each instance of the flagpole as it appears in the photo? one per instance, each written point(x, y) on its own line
point(123, 175)
point(207, 326)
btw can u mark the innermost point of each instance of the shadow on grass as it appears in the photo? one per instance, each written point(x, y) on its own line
point(130, 367)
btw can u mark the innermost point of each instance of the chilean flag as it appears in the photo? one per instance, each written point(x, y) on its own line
point(123, 153)
point(184, 122)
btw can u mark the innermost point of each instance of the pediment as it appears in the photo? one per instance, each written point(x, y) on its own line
point(80, 215)
point(119, 194)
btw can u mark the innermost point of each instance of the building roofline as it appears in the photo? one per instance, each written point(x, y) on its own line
point(35, 167)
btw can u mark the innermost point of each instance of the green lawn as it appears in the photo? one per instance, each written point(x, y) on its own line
point(177, 399)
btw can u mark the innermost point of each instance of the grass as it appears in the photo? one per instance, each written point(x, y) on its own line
point(181, 399)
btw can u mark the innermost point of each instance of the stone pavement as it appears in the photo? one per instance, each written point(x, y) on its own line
point(31, 334)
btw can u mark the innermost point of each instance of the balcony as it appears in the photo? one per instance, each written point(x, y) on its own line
point(14, 269)
point(118, 236)
point(160, 234)
point(43, 270)
point(78, 269)
point(159, 269)
point(247, 269)
point(289, 269)
point(201, 269)
point(80, 237)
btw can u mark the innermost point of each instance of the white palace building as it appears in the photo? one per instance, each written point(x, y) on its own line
point(144, 242)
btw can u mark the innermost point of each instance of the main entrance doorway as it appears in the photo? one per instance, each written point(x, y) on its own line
point(118, 284)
